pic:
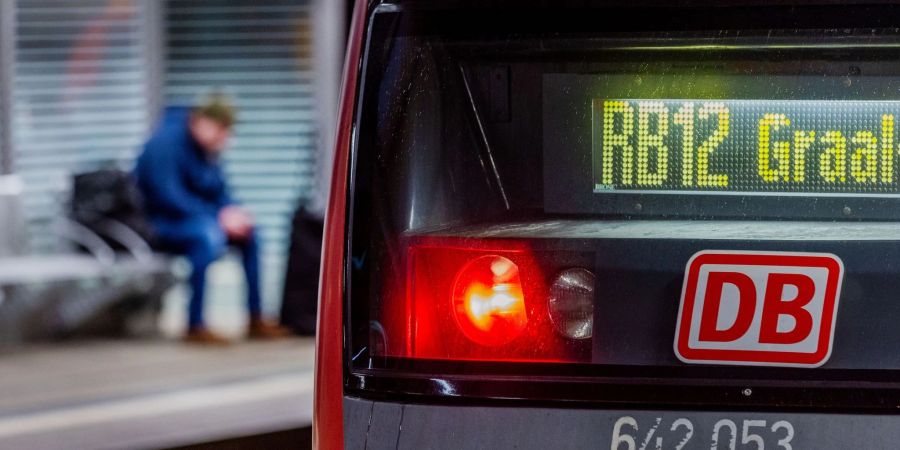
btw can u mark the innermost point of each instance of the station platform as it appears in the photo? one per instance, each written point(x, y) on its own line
point(154, 393)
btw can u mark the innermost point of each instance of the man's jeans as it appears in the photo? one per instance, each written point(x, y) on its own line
point(202, 241)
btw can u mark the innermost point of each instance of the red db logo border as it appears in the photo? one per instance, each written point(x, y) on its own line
point(828, 261)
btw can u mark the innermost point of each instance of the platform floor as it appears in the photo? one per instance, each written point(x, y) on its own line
point(154, 393)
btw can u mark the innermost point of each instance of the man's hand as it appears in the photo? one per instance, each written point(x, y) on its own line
point(236, 222)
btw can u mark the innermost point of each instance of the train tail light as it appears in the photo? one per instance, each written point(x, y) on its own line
point(482, 300)
point(488, 300)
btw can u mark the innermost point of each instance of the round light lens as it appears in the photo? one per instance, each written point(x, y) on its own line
point(571, 303)
point(488, 300)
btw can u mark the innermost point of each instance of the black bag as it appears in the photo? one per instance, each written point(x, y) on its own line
point(109, 194)
point(301, 282)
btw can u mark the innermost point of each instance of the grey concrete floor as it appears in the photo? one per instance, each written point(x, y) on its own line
point(158, 392)
point(151, 394)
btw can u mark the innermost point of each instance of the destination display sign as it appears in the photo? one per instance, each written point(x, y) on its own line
point(745, 147)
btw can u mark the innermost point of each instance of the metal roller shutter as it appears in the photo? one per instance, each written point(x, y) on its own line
point(257, 52)
point(80, 98)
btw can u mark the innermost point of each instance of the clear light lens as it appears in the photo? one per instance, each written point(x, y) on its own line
point(488, 300)
point(571, 303)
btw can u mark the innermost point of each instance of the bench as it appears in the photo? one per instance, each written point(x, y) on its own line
point(85, 288)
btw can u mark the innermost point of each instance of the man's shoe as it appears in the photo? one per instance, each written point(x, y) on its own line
point(261, 329)
point(202, 336)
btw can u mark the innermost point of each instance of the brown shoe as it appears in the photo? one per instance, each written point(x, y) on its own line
point(202, 336)
point(262, 329)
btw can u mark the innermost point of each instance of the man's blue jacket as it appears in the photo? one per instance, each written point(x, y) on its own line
point(178, 179)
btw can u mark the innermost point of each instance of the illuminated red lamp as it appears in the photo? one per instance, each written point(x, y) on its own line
point(477, 300)
point(488, 301)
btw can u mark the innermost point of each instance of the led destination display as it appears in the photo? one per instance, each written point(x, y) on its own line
point(793, 147)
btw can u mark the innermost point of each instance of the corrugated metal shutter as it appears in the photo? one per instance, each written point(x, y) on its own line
point(258, 52)
point(80, 97)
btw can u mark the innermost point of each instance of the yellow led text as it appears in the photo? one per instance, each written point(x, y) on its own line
point(856, 157)
point(636, 153)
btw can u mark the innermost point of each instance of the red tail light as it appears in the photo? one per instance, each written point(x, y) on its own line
point(479, 300)
point(488, 300)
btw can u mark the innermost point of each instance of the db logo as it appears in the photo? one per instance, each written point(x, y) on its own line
point(758, 308)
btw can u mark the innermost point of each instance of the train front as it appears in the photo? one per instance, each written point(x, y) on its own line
point(630, 225)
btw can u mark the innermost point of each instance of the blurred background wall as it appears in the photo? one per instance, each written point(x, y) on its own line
point(80, 98)
point(87, 80)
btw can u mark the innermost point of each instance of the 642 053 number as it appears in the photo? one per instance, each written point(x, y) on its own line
point(677, 434)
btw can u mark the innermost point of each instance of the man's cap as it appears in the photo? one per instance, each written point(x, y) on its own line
point(218, 107)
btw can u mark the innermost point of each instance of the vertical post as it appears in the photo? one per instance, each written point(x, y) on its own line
point(329, 34)
point(7, 78)
point(153, 19)
point(12, 222)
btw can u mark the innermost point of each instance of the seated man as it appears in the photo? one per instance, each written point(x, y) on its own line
point(188, 204)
